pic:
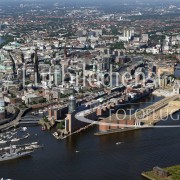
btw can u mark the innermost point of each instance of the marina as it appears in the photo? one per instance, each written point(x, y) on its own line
point(10, 150)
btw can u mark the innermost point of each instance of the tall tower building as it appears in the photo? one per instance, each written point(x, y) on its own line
point(22, 58)
point(2, 109)
point(65, 52)
point(72, 104)
point(58, 76)
point(13, 63)
point(36, 69)
point(71, 123)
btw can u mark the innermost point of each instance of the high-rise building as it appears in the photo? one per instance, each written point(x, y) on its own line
point(72, 104)
point(144, 37)
point(22, 58)
point(2, 109)
point(128, 34)
point(58, 76)
point(36, 69)
point(65, 52)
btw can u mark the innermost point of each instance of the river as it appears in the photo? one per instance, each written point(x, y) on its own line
point(98, 157)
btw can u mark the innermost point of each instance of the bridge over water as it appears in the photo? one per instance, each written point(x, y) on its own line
point(29, 120)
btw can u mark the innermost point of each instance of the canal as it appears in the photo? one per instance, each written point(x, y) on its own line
point(85, 156)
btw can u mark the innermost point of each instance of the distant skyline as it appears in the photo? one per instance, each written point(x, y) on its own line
point(107, 5)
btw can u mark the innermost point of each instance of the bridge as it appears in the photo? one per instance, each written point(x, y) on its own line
point(14, 122)
point(29, 120)
point(28, 123)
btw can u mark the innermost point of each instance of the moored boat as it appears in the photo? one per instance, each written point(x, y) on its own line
point(15, 140)
point(41, 111)
point(14, 154)
point(3, 142)
point(35, 113)
point(24, 129)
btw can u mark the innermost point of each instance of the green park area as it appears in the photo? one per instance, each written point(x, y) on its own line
point(174, 174)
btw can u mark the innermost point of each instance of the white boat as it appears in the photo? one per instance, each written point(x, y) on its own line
point(8, 147)
point(34, 146)
point(24, 129)
point(26, 136)
point(41, 112)
point(35, 113)
point(118, 143)
point(55, 134)
point(33, 143)
point(15, 140)
point(3, 142)
point(28, 148)
point(27, 145)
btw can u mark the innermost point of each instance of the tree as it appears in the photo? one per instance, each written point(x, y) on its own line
point(118, 45)
point(45, 118)
point(61, 125)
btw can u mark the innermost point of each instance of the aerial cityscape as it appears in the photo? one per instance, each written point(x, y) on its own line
point(89, 89)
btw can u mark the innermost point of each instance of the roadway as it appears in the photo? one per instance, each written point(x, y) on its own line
point(14, 122)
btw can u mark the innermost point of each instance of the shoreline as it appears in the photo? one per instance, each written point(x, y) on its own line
point(119, 131)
